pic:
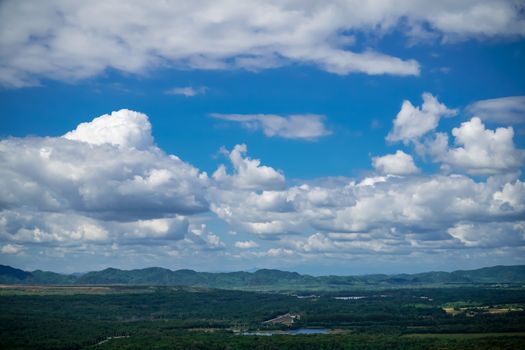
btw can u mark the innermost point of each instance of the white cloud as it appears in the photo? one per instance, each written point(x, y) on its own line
point(391, 214)
point(75, 228)
point(279, 252)
point(113, 172)
point(10, 249)
point(504, 110)
point(203, 238)
point(327, 244)
point(187, 91)
point(122, 128)
point(413, 122)
point(491, 235)
point(57, 174)
point(246, 244)
point(304, 127)
point(480, 151)
point(416, 205)
point(511, 196)
point(111, 186)
point(479, 18)
point(398, 163)
point(75, 40)
point(248, 173)
point(372, 181)
point(105, 181)
point(173, 228)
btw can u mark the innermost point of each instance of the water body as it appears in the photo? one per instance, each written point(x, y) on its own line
point(298, 331)
point(350, 298)
point(309, 331)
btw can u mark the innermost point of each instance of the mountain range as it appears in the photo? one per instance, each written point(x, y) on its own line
point(264, 279)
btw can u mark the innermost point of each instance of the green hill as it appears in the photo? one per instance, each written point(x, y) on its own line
point(494, 274)
point(265, 279)
point(10, 275)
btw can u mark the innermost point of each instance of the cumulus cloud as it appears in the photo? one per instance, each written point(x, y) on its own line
point(248, 173)
point(55, 174)
point(104, 181)
point(187, 91)
point(10, 249)
point(172, 228)
point(246, 244)
point(417, 205)
point(63, 40)
point(329, 244)
point(488, 236)
point(279, 252)
point(122, 128)
point(389, 214)
point(491, 235)
point(398, 163)
point(413, 122)
point(504, 110)
point(25, 226)
point(203, 238)
point(304, 127)
point(479, 151)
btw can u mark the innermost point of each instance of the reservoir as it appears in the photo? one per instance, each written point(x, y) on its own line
point(298, 331)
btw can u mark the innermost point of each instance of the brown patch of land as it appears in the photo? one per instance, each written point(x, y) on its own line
point(287, 319)
point(7, 289)
point(473, 311)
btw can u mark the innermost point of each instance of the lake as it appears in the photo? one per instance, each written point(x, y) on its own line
point(298, 331)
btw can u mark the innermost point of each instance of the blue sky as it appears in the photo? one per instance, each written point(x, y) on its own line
point(357, 172)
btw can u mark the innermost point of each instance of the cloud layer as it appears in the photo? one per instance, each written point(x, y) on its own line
point(75, 40)
point(303, 127)
point(187, 91)
point(107, 184)
point(504, 110)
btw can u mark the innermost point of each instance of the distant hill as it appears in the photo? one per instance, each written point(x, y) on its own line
point(9, 274)
point(493, 274)
point(265, 279)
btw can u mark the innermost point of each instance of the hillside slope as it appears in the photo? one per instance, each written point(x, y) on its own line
point(265, 279)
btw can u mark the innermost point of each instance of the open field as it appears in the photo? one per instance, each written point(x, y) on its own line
point(69, 290)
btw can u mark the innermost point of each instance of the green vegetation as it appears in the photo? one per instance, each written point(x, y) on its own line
point(270, 280)
point(157, 308)
point(162, 317)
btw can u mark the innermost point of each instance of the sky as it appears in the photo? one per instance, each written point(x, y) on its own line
point(324, 137)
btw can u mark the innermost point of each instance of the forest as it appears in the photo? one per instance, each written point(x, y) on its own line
point(175, 317)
